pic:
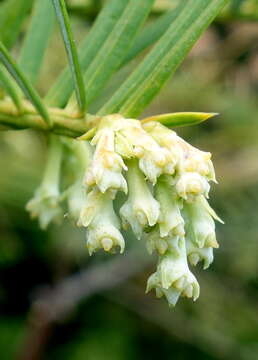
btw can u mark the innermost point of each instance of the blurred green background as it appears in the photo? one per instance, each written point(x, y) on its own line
point(107, 315)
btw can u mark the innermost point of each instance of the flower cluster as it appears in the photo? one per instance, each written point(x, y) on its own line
point(166, 184)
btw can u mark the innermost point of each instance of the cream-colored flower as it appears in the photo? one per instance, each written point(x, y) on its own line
point(190, 185)
point(186, 157)
point(153, 159)
point(102, 223)
point(104, 236)
point(154, 242)
point(200, 226)
point(173, 277)
point(167, 139)
point(45, 205)
point(170, 220)
point(196, 254)
point(195, 160)
point(106, 168)
point(140, 209)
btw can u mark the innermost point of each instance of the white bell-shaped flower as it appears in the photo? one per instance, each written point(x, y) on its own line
point(45, 205)
point(140, 209)
point(173, 277)
point(195, 160)
point(102, 223)
point(106, 167)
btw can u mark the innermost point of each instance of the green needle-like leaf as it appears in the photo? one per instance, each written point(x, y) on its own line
point(23, 83)
point(12, 15)
point(110, 56)
point(153, 32)
point(147, 80)
point(63, 87)
point(180, 118)
point(10, 87)
point(65, 27)
point(36, 40)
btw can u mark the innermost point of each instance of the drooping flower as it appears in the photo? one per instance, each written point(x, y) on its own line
point(200, 226)
point(195, 160)
point(45, 205)
point(196, 254)
point(166, 181)
point(173, 277)
point(102, 223)
point(106, 168)
point(140, 209)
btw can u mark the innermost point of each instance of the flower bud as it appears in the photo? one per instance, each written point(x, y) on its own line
point(102, 223)
point(140, 209)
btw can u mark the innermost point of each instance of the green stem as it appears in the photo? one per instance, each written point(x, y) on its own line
point(63, 122)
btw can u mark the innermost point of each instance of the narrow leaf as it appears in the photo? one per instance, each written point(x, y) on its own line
point(180, 118)
point(36, 40)
point(111, 54)
point(63, 87)
point(10, 87)
point(63, 19)
point(12, 15)
point(154, 31)
point(23, 83)
point(149, 77)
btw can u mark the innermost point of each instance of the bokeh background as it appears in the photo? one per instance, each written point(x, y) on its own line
point(58, 303)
